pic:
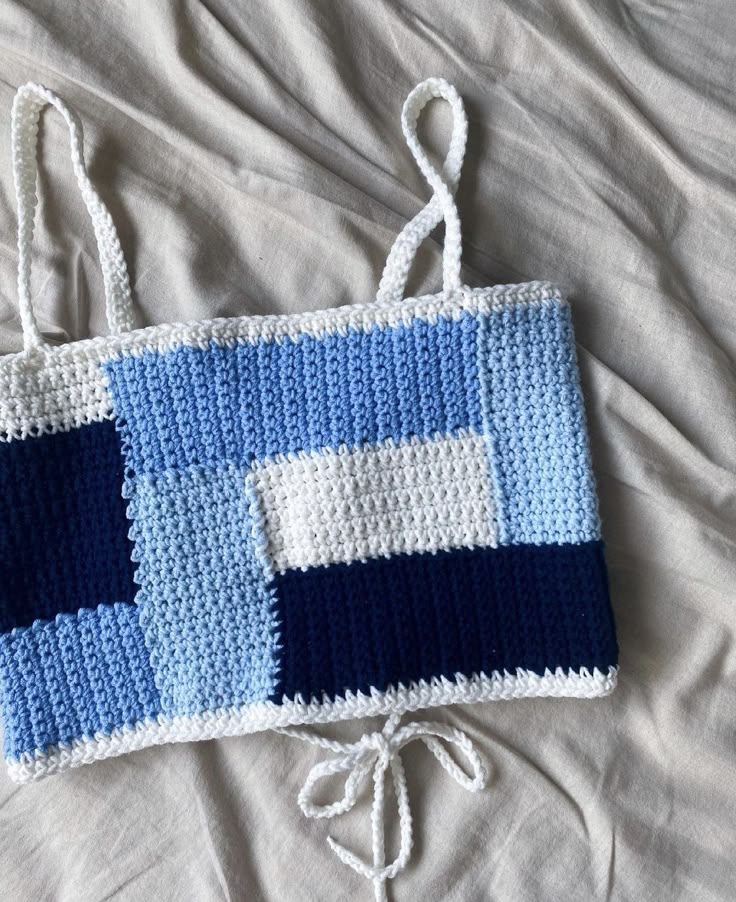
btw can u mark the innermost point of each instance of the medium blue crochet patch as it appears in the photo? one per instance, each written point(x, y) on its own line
point(201, 407)
point(74, 676)
point(534, 419)
point(205, 607)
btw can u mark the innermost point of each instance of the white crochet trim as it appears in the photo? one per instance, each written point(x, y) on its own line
point(379, 754)
point(281, 326)
point(51, 389)
point(48, 394)
point(268, 715)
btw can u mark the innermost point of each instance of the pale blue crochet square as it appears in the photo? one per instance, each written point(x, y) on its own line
point(205, 608)
point(534, 420)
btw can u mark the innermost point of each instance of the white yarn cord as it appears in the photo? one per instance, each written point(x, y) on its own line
point(379, 752)
point(442, 204)
point(29, 101)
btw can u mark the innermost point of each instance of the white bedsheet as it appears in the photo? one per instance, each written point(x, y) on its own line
point(252, 157)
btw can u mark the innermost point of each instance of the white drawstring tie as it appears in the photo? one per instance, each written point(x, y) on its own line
point(379, 752)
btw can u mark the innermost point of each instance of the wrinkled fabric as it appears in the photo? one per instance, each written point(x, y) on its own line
point(252, 158)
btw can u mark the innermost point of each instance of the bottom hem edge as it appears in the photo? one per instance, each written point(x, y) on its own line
point(258, 716)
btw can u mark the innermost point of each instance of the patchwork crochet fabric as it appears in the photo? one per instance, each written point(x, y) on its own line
point(226, 526)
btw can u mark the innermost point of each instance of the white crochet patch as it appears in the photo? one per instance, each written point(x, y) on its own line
point(345, 505)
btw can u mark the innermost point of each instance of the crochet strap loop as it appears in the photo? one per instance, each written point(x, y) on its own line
point(442, 204)
point(29, 101)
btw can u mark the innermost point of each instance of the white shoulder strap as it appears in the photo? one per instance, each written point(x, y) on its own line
point(29, 101)
point(442, 204)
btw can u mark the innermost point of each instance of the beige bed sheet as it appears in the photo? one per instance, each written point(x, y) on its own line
point(252, 157)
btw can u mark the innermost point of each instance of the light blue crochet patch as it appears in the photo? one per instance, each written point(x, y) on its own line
point(534, 419)
point(205, 608)
point(192, 406)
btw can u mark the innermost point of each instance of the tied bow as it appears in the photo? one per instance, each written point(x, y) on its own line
point(380, 752)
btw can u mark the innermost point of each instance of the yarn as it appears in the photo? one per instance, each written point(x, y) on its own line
point(380, 752)
point(28, 102)
point(375, 500)
point(264, 522)
point(534, 420)
point(480, 610)
point(206, 607)
point(54, 490)
point(74, 677)
point(307, 392)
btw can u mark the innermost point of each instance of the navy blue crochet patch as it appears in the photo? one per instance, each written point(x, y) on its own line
point(377, 623)
point(63, 530)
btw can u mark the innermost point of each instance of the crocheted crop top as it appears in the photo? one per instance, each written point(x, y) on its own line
point(226, 526)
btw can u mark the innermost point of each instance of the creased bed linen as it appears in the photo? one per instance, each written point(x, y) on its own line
point(252, 158)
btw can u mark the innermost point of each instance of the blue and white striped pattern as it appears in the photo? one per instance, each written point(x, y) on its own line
point(313, 515)
point(194, 406)
point(316, 456)
point(218, 527)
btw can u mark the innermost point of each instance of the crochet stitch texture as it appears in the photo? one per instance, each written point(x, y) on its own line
point(297, 519)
